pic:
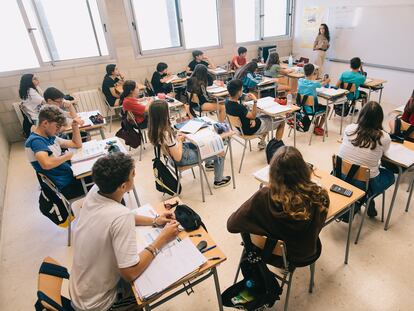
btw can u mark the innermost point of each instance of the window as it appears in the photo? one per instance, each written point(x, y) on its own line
point(260, 19)
point(49, 31)
point(162, 24)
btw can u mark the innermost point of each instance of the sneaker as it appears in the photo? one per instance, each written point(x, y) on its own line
point(318, 131)
point(372, 212)
point(209, 166)
point(224, 182)
point(261, 145)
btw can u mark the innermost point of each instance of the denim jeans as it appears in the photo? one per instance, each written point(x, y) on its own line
point(190, 156)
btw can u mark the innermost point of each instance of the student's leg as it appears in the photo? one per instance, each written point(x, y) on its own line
point(73, 190)
point(382, 182)
point(280, 130)
point(218, 168)
point(213, 107)
point(189, 156)
point(188, 111)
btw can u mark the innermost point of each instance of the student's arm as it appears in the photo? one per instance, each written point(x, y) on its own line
point(159, 220)
point(251, 115)
point(210, 63)
point(113, 92)
point(50, 162)
point(76, 141)
point(176, 151)
point(338, 83)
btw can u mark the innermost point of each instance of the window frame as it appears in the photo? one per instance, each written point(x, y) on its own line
point(134, 33)
point(62, 64)
point(289, 25)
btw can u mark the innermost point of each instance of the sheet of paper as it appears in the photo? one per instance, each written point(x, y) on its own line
point(216, 89)
point(330, 92)
point(191, 127)
point(368, 80)
point(262, 175)
point(400, 154)
point(209, 143)
point(172, 78)
point(268, 105)
point(265, 80)
point(90, 149)
point(400, 109)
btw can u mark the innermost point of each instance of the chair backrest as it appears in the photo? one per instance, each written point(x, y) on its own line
point(306, 100)
point(405, 126)
point(362, 174)
point(347, 86)
point(278, 250)
point(149, 88)
point(92, 100)
point(49, 283)
point(193, 98)
point(45, 181)
point(19, 112)
point(235, 123)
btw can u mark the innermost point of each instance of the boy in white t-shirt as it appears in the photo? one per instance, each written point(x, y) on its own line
point(105, 256)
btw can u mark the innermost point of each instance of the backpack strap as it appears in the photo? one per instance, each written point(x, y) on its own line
point(301, 100)
point(269, 246)
point(54, 270)
point(43, 297)
point(397, 125)
point(338, 170)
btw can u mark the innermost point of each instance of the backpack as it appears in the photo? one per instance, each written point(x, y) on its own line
point(303, 122)
point(272, 147)
point(259, 289)
point(188, 218)
point(127, 132)
point(165, 181)
point(338, 109)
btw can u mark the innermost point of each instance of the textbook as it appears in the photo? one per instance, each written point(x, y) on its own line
point(172, 78)
point(191, 126)
point(213, 89)
point(330, 92)
point(400, 154)
point(269, 105)
point(90, 149)
point(209, 143)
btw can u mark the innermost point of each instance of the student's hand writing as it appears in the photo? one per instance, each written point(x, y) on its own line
point(164, 218)
point(169, 232)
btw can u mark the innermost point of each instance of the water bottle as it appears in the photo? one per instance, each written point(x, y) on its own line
point(290, 60)
point(249, 284)
point(289, 98)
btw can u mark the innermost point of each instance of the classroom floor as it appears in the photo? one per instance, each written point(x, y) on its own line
point(378, 276)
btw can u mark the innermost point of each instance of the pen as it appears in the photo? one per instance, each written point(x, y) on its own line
point(195, 235)
point(208, 248)
point(214, 258)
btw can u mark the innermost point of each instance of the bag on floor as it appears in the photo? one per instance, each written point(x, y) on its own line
point(338, 109)
point(272, 147)
point(52, 207)
point(132, 137)
point(165, 181)
point(303, 122)
point(188, 218)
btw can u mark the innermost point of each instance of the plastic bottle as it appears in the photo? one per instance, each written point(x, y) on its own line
point(289, 98)
point(290, 61)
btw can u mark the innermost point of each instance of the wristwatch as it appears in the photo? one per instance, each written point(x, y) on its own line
point(154, 221)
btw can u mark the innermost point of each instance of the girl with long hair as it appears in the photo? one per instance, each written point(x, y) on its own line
point(31, 95)
point(321, 45)
point(160, 133)
point(198, 97)
point(130, 102)
point(247, 74)
point(291, 208)
point(273, 70)
point(364, 143)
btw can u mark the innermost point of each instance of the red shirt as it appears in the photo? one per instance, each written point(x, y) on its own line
point(240, 60)
point(133, 105)
point(409, 118)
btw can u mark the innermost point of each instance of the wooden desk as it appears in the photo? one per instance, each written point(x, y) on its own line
point(339, 204)
point(267, 84)
point(332, 100)
point(401, 169)
point(220, 74)
point(88, 128)
point(178, 83)
point(187, 283)
point(374, 86)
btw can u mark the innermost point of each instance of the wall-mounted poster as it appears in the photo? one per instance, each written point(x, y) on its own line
point(312, 18)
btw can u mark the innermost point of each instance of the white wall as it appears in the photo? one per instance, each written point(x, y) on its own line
point(84, 77)
point(400, 84)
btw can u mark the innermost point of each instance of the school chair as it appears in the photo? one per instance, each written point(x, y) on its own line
point(49, 287)
point(309, 101)
point(110, 110)
point(192, 98)
point(278, 259)
point(236, 126)
point(349, 172)
point(58, 198)
point(24, 118)
point(405, 126)
point(351, 87)
point(130, 118)
point(149, 89)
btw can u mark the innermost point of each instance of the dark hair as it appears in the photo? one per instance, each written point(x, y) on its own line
point(327, 36)
point(159, 122)
point(291, 185)
point(308, 69)
point(26, 83)
point(110, 69)
point(51, 113)
point(234, 86)
point(111, 171)
point(272, 59)
point(369, 130)
point(242, 72)
point(161, 67)
point(197, 53)
point(355, 63)
point(127, 88)
point(199, 78)
point(241, 50)
point(52, 93)
point(409, 107)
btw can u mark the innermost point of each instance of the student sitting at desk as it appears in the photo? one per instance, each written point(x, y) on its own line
point(160, 133)
point(364, 144)
point(53, 96)
point(292, 208)
point(307, 86)
point(112, 78)
point(240, 59)
point(407, 116)
point(198, 96)
point(199, 58)
point(273, 70)
point(129, 102)
point(31, 95)
point(105, 256)
point(44, 150)
point(251, 124)
point(356, 76)
point(159, 79)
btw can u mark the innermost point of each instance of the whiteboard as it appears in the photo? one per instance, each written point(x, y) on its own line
point(382, 36)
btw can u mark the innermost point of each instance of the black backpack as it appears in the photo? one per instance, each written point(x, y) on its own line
point(272, 147)
point(400, 133)
point(338, 109)
point(165, 181)
point(188, 218)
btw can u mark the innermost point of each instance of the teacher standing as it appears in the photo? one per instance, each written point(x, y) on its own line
point(321, 45)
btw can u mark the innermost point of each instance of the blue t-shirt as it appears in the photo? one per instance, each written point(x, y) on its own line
point(61, 175)
point(308, 87)
point(353, 77)
point(249, 81)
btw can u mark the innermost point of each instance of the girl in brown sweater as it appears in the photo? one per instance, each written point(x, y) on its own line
point(291, 208)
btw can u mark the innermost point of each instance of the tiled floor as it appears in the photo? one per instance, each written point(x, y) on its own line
point(379, 275)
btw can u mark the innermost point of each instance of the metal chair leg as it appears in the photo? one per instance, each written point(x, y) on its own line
point(70, 224)
point(409, 196)
point(383, 207)
point(289, 286)
point(140, 152)
point(110, 122)
point(205, 176)
point(201, 182)
point(362, 220)
point(312, 276)
point(238, 268)
point(250, 145)
point(312, 129)
point(192, 171)
point(244, 151)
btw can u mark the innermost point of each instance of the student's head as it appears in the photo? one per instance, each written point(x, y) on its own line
point(235, 88)
point(198, 55)
point(272, 59)
point(129, 88)
point(158, 122)
point(242, 51)
point(200, 73)
point(355, 63)
point(324, 30)
point(50, 120)
point(245, 69)
point(162, 68)
point(309, 69)
point(369, 130)
point(112, 70)
point(27, 81)
point(53, 96)
point(291, 185)
point(114, 173)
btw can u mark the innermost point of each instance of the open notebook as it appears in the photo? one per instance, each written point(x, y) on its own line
point(269, 105)
point(400, 154)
